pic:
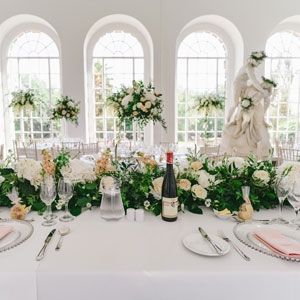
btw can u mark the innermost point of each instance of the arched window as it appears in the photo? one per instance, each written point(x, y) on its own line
point(118, 59)
point(201, 68)
point(33, 63)
point(283, 66)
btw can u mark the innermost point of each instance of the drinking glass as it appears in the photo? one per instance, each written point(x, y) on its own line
point(294, 199)
point(47, 195)
point(281, 189)
point(65, 192)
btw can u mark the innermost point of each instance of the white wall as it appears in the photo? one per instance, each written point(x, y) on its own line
point(164, 19)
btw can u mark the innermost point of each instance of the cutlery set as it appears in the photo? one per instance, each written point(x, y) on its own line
point(62, 231)
point(218, 249)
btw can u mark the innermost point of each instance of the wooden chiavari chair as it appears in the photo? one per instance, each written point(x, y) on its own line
point(72, 147)
point(1, 151)
point(90, 148)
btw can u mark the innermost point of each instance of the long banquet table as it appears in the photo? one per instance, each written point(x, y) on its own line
point(141, 260)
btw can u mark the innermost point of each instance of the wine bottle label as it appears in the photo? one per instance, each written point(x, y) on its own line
point(169, 207)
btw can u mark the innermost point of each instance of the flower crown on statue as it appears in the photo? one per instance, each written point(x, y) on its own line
point(258, 55)
point(269, 81)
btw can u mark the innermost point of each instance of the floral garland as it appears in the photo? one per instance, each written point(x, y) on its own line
point(137, 103)
point(269, 82)
point(200, 182)
point(246, 103)
point(66, 108)
point(24, 100)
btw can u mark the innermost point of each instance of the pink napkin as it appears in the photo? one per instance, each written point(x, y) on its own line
point(5, 230)
point(278, 242)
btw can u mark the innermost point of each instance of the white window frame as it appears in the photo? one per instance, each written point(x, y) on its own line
point(89, 65)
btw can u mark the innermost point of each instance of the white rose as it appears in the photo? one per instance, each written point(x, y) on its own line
point(245, 103)
point(205, 179)
point(157, 186)
point(150, 96)
point(261, 175)
point(126, 100)
point(199, 191)
point(70, 104)
point(1, 179)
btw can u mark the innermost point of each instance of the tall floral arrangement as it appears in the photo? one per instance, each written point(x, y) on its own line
point(24, 99)
point(137, 103)
point(66, 108)
point(208, 104)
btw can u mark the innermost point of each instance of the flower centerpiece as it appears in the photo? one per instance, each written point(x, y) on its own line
point(66, 108)
point(208, 104)
point(137, 103)
point(27, 100)
point(200, 181)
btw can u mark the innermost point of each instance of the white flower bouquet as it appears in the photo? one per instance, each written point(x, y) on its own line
point(26, 100)
point(137, 103)
point(66, 108)
point(209, 103)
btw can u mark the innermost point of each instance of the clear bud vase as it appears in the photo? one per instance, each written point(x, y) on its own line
point(246, 193)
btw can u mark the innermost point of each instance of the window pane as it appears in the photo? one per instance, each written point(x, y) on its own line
point(118, 59)
point(201, 68)
point(283, 66)
point(33, 63)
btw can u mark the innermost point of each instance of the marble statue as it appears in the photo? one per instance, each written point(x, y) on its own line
point(246, 129)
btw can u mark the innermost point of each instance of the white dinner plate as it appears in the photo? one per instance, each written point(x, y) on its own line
point(198, 244)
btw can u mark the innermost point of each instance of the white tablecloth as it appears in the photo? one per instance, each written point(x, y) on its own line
point(129, 260)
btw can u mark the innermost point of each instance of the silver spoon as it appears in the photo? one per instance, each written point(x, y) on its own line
point(64, 230)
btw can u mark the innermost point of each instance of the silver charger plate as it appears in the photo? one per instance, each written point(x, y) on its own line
point(245, 233)
point(22, 230)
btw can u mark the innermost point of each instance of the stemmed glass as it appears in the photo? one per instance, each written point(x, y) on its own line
point(281, 189)
point(65, 192)
point(47, 195)
point(294, 199)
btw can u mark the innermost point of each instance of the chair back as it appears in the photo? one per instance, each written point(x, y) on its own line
point(31, 151)
point(73, 148)
point(288, 154)
point(19, 149)
point(1, 151)
point(90, 148)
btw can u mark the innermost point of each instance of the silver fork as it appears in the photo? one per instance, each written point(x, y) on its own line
point(237, 249)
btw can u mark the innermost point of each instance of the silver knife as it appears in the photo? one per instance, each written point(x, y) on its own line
point(47, 240)
point(216, 247)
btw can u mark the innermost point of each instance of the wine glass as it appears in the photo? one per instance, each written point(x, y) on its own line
point(65, 192)
point(47, 195)
point(294, 199)
point(281, 189)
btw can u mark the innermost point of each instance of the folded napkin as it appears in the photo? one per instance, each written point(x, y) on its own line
point(278, 242)
point(5, 230)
